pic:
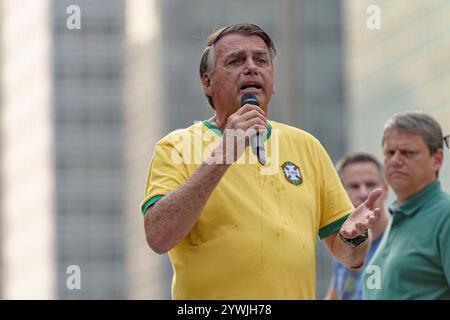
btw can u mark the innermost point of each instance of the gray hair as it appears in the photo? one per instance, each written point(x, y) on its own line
point(207, 60)
point(417, 123)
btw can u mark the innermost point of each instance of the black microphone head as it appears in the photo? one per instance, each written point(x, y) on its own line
point(249, 98)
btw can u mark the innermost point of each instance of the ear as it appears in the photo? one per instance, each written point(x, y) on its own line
point(438, 158)
point(207, 88)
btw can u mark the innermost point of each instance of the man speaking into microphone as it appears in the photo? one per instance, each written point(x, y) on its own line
point(230, 231)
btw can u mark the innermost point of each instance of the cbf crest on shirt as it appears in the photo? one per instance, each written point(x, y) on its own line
point(292, 173)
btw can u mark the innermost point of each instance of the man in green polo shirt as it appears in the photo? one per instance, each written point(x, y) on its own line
point(413, 259)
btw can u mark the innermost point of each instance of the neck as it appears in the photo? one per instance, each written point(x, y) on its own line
point(220, 118)
point(218, 122)
point(402, 197)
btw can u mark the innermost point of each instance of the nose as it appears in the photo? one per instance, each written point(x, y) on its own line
point(250, 66)
point(363, 191)
point(397, 158)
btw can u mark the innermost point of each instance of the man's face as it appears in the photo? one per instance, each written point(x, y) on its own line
point(408, 164)
point(359, 179)
point(242, 65)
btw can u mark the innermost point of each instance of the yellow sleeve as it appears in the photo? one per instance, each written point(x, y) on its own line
point(165, 174)
point(336, 205)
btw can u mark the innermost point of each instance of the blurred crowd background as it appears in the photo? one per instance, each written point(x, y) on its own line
point(81, 110)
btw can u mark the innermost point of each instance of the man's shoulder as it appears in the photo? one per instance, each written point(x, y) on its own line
point(176, 136)
point(437, 209)
point(441, 201)
point(445, 197)
point(293, 132)
point(444, 204)
point(441, 223)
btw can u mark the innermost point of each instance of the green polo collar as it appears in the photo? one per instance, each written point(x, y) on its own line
point(217, 131)
point(417, 201)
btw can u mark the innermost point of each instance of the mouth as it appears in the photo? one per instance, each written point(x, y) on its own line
point(397, 174)
point(251, 86)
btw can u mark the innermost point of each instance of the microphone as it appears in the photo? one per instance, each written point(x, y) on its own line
point(256, 141)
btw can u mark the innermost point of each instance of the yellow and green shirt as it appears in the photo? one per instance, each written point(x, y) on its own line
point(256, 235)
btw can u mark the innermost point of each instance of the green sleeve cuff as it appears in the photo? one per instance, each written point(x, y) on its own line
point(147, 204)
point(332, 227)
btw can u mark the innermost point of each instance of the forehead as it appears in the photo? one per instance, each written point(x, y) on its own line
point(236, 43)
point(360, 170)
point(400, 138)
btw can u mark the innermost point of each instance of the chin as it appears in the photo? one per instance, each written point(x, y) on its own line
point(397, 179)
point(400, 187)
point(397, 184)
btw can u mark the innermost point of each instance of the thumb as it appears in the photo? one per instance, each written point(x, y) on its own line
point(373, 197)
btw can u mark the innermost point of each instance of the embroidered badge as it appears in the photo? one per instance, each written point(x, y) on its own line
point(292, 173)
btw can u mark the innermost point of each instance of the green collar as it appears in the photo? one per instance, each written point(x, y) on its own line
point(418, 200)
point(217, 131)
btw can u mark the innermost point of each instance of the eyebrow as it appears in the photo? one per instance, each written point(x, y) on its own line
point(240, 52)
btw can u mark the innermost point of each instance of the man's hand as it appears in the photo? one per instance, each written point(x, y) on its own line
point(241, 125)
point(363, 218)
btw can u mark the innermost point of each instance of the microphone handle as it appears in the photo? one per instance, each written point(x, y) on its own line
point(261, 150)
point(257, 144)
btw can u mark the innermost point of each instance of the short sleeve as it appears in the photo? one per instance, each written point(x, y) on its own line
point(335, 203)
point(165, 174)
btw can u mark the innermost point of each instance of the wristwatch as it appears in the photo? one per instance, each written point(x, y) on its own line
point(355, 241)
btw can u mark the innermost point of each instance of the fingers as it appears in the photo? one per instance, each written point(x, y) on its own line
point(247, 107)
point(247, 117)
point(255, 123)
point(248, 128)
point(352, 229)
point(371, 219)
point(251, 112)
point(373, 197)
point(375, 217)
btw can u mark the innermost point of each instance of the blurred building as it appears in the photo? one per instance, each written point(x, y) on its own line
point(27, 175)
point(88, 146)
point(62, 149)
point(402, 66)
point(148, 274)
point(1, 228)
